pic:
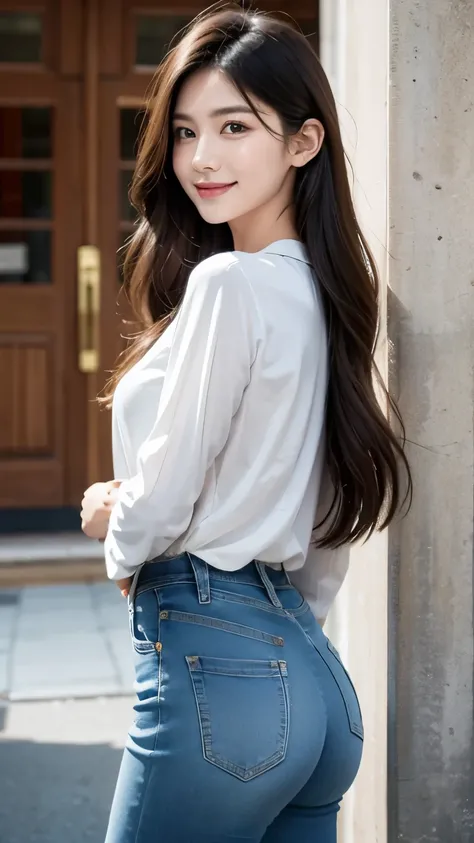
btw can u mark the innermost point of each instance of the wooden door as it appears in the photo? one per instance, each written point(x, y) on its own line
point(73, 79)
point(41, 396)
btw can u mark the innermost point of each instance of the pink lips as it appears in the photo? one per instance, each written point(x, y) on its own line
point(213, 189)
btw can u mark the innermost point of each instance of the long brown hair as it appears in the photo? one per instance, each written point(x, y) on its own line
point(270, 60)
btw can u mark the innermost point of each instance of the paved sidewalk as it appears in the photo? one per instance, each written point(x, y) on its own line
point(63, 641)
point(59, 765)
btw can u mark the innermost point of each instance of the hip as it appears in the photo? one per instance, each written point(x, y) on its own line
point(209, 621)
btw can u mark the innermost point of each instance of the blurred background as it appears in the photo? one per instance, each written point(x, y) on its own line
point(73, 78)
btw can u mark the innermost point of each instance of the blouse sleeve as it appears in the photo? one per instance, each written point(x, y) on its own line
point(325, 569)
point(214, 345)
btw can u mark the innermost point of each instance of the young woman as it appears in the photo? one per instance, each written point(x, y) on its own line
point(243, 416)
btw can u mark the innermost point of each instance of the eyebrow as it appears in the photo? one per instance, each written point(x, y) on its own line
point(218, 112)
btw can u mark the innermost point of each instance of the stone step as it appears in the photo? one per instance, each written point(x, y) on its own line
point(37, 558)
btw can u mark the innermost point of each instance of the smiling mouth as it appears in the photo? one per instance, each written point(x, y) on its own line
point(208, 191)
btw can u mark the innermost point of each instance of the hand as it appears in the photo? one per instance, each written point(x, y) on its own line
point(124, 585)
point(97, 505)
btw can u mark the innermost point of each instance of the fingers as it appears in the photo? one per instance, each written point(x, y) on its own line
point(124, 586)
point(113, 484)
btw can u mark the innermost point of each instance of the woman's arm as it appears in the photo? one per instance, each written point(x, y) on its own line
point(97, 505)
point(213, 348)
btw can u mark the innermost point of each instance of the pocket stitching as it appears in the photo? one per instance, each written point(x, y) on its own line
point(204, 720)
point(142, 647)
point(223, 625)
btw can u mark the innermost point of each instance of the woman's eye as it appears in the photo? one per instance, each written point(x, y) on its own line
point(234, 128)
point(182, 133)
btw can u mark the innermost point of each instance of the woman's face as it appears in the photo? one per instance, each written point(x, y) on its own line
point(228, 163)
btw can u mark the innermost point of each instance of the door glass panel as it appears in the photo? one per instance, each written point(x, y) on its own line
point(127, 211)
point(25, 132)
point(25, 257)
point(25, 194)
point(130, 122)
point(20, 37)
point(153, 36)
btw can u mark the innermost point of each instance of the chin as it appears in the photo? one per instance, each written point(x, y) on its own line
point(219, 212)
point(213, 218)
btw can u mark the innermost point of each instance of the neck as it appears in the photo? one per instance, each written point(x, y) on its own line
point(259, 228)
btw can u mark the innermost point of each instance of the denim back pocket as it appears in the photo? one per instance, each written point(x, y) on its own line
point(348, 692)
point(243, 712)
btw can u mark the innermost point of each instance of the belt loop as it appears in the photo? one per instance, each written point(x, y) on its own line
point(133, 585)
point(201, 573)
point(260, 566)
point(286, 575)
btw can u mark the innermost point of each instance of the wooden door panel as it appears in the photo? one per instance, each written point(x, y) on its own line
point(41, 397)
point(20, 312)
point(27, 399)
point(31, 483)
point(29, 298)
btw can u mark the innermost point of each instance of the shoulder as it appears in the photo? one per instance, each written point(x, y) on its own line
point(224, 275)
point(221, 268)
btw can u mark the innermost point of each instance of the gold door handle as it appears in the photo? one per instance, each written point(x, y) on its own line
point(88, 307)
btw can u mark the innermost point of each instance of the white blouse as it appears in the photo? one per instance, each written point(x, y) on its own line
point(218, 431)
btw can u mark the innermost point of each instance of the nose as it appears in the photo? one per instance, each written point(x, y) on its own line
point(205, 157)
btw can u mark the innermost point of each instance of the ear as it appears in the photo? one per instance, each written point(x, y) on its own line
point(306, 143)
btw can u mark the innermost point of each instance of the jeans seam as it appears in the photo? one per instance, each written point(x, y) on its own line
point(158, 692)
point(286, 692)
point(230, 597)
point(186, 579)
point(353, 727)
point(225, 626)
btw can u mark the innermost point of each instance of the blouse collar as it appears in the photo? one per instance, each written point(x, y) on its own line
point(288, 248)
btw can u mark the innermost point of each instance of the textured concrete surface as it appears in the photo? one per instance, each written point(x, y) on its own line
point(40, 559)
point(355, 53)
point(432, 325)
point(59, 762)
point(32, 547)
point(61, 641)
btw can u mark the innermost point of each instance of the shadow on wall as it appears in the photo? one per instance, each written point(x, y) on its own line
point(53, 793)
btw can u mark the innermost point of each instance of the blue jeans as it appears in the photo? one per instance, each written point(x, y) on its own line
point(247, 726)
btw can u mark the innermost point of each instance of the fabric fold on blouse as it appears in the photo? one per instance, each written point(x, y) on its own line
point(218, 431)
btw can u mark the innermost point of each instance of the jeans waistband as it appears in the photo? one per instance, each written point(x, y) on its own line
point(191, 567)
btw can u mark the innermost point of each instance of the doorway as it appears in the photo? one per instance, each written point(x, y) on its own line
point(73, 79)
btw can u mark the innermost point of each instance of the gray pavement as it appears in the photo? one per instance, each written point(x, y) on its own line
point(61, 641)
point(59, 762)
point(66, 697)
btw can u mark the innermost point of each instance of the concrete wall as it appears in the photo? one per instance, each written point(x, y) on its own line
point(431, 213)
point(409, 65)
point(354, 52)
